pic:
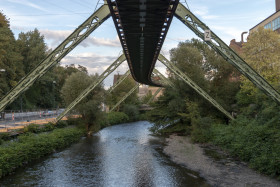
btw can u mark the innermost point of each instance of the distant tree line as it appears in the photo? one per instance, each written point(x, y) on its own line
point(61, 85)
point(18, 57)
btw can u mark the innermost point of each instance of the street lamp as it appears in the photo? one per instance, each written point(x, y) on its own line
point(54, 83)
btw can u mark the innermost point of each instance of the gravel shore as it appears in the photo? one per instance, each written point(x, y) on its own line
point(218, 172)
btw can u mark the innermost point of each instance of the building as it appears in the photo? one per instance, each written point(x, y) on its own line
point(271, 22)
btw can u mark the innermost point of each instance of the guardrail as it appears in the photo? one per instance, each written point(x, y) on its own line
point(19, 119)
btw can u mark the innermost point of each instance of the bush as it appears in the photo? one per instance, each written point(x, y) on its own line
point(131, 111)
point(201, 130)
point(259, 145)
point(30, 147)
point(61, 124)
point(116, 118)
point(33, 128)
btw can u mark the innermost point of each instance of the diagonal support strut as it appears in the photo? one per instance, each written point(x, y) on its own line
point(126, 96)
point(163, 78)
point(119, 81)
point(154, 95)
point(198, 27)
point(192, 84)
point(107, 72)
point(82, 32)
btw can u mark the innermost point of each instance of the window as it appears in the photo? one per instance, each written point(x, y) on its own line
point(268, 26)
point(276, 24)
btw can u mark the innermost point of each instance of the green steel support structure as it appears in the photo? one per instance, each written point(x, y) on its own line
point(128, 94)
point(119, 81)
point(83, 31)
point(154, 95)
point(107, 72)
point(198, 27)
point(192, 84)
point(163, 78)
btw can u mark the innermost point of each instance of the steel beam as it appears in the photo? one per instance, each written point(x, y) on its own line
point(107, 72)
point(163, 78)
point(119, 81)
point(192, 84)
point(83, 31)
point(198, 27)
point(154, 95)
point(126, 96)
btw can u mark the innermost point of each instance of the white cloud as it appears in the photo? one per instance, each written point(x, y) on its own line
point(57, 36)
point(95, 63)
point(27, 3)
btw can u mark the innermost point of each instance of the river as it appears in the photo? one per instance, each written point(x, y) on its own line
point(121, 155)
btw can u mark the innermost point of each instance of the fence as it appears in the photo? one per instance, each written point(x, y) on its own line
point(19, 119)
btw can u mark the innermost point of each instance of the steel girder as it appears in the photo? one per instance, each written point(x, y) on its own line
point(83, 31)
point(192, 84)
point(154, 95)
point(198, 27)
point(163, 78)
point(107, 72)
point(119, 81)
point(126, 96)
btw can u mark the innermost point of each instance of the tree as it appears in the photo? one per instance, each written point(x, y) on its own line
point(33, 48)
point(209, 71)
point(261, 52)
point(120, 91)
point(89, 107)
point(10, 58)
point(43, 93)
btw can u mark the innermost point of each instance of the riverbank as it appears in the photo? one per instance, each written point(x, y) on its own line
point(222, 171)
point(30, 146)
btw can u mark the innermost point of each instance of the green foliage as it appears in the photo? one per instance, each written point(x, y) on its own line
point(207, 69)
point(147, 97)
point(10, 58)
point(259, 145)
point(30, 147)
point(120, 91)
point(117, 118)
point(61, 124)
point(33, 128)
point(4, 137)
point(132, 111)
point(89, 107)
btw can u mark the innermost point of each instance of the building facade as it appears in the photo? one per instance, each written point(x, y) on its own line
point(272, 22)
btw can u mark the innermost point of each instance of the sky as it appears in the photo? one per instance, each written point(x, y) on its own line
point(57, 19)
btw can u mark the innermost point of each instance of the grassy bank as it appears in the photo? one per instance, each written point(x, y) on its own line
point(29, 147)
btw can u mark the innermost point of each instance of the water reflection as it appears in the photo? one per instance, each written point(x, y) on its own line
point(122, 155)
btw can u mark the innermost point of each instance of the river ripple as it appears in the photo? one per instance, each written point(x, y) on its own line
point(121, 155)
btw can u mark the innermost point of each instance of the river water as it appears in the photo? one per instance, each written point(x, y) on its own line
point(121, 155)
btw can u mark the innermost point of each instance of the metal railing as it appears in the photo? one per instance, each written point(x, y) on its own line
point(16, 119)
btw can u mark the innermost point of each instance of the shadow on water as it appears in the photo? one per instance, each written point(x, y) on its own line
point(121, 155)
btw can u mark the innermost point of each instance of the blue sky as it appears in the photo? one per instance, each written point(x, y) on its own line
point(56, 19)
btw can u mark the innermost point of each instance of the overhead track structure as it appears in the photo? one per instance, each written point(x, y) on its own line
point(198, 27)
point(192, 84)
point(126, 96)
point(82, 32)
point(107, 72)
point(142, 26)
